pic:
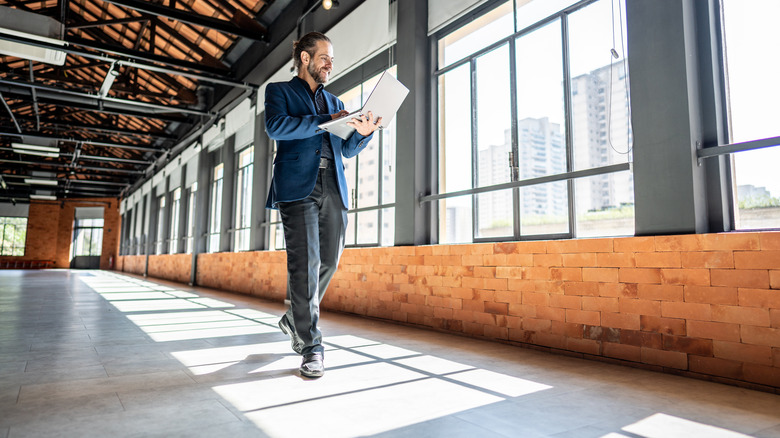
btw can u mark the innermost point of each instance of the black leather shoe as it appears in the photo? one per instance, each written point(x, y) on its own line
point(295, 342)
point(312, 365)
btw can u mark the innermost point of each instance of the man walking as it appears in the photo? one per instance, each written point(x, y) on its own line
point(309, 188)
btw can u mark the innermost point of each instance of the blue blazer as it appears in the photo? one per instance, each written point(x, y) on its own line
point(291, 120)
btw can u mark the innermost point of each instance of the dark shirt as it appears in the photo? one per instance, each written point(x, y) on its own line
point(318, 97)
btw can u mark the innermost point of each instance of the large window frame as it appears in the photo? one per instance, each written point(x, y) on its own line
point(243, 191)
point(569, 177)
point(215, 213)
point(87, 237)
point(173, 242)
point(13, 231)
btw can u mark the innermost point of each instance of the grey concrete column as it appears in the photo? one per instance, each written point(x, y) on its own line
point(415, 175)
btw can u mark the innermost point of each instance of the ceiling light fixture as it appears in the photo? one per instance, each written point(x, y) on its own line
point(44, 197)
point(31, 149)
point(34, 27)
point(330, 4)
point(45, 182)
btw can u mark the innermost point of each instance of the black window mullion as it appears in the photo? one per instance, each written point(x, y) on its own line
point(567, 108)
point(474, 146)
point(514, 147)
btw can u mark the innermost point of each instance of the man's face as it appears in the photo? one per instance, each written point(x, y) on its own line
point(321, 64)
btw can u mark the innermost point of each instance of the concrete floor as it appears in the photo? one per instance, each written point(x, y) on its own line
point(94, 353)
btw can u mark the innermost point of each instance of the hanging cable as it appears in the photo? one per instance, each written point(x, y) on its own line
point(614, 54)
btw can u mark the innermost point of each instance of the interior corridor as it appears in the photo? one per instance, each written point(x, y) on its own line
point(96, 353)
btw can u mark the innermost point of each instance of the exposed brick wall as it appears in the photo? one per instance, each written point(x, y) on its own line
point(50, 230)
point(701, 305)
point(174, 267)
point(132, 264)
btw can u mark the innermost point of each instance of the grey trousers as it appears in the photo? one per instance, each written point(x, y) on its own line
point(314, 230)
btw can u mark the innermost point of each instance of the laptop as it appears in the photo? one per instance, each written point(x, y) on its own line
point(384, 101)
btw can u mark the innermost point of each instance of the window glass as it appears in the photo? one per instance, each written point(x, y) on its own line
point(191, 204)
point(531, 11)
point(14, 233)
point(605, 205)
point(750, 40)
point(160, 225)
point(215, 218)
point(175, 207)
point(476, 35)
point(244, 199)
point(544, 209)
point(87, 237)
point(455, 156)
point(455, 220)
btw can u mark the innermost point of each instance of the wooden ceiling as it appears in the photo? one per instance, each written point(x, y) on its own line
point(165, 58)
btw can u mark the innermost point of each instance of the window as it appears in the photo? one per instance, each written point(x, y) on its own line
point(175, 207)
point(246, 159)
point(14, 232)
point(751, 73)
point(87, 237)
point(519, 112)
point(371, 180)
point(191, 203)
point(275, 227)
point(160, 247)
point(215, 216)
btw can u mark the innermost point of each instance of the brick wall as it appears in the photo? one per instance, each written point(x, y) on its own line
point(174, 267)
point(50, 230)
point(707, 305)
point(133, 264)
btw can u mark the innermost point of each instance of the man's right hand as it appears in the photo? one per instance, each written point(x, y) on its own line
point(339, 114)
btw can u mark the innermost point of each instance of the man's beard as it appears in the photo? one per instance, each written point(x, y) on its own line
point(315, 74)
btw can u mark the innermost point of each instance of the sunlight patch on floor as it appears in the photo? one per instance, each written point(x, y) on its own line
point(668, 426)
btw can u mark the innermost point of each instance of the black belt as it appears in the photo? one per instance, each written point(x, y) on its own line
point(325, 163)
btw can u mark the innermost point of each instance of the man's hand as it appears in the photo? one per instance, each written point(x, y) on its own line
point(365, 125)
point(339, 114)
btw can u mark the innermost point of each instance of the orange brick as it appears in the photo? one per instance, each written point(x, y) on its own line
point(666, 326)
point(519, 260)
point(532, 247)
point(640, 275)
point(566, 274)
point(463, 315)
point(730, 241)
point(583, 317)
point(711, 295)
point(586, 346)
point(765, 298)
point(642, 339)
point(660, 292)
point(774, 279)
point(520, 285)
point(624, 352)
point(760, 335)
point(566, 301)
point(696, 277)
point(716, 367)
point(496, 308)
point(496, 283)
point(601, 304)
point(640, 307)
point(442, 312)
point(551, 313)
point(761, 374)
point(689, 242)
point(620, 320)
point(755, 278)
point(741, 315)
point(670, 259)
point(757, 259)
point(536, 298)
point(469, 260)
point(694, 311)
point(507, 272)
point(769, 240)
point(493, 332)
point(604, 275)
point(579, 259)
point(719, 331)
point(684, 344)
point(485, 318)
point(548, 260)
point(774, 317)
point(505, 296)
point(505, 248)
point(668, 359)
point(537, 325)
point(619, 290)
point(707, 259)
point(776, 357)
point(756, 354)
point(580, 246)
point(518, 335)
point(494, 259)
point(485, 272)
point(634, 244)
point(568, 329)
point(522, 310)
point(616, 259)
point(474, 305)
point(550, 340)
point(536, 273)
point(581, 288)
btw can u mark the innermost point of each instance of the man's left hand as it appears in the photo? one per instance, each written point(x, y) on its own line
point(365, 125)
